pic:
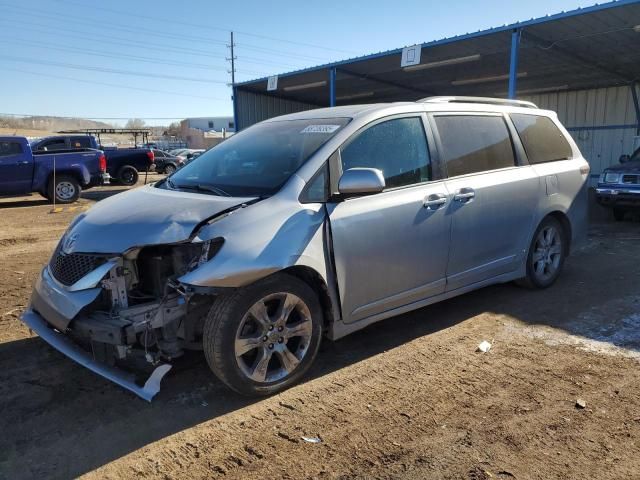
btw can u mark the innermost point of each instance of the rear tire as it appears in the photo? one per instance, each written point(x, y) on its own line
point(128, 175)
point(546, 255)
point(619, 214)
point(66, 189)
point(169, 168)
point(261, 356)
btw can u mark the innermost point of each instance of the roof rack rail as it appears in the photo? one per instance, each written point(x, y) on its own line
point(484, 100)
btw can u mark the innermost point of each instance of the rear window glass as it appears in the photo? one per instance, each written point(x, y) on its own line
point(10, 148)
point(80, 142)
point(472, 144)
point(542, 139)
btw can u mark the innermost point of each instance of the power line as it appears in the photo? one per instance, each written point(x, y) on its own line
point(58, 32)
point(136, 29)
point(146, 90)
point(152, 60)
point(122, 41)
point(86, 117)
point(108, 70)
point(153, 33)
point(211, 27)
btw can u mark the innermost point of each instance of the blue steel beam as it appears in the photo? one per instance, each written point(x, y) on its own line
point(332, 87)
point(513, 64)
point(634, 94)
point(235, 108)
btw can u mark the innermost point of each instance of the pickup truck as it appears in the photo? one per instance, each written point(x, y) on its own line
point(59, 175)
point(619, 186)
point(123, 164)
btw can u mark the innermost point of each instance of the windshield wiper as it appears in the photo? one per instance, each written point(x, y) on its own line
point(205, 188)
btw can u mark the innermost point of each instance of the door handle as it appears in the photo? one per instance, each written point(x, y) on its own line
point(434, 201)
point(24, 162)
point(464, 195)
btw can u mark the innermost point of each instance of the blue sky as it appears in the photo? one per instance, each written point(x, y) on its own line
point(166, 59)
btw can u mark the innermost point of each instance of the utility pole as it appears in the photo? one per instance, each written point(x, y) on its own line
point(233, 62)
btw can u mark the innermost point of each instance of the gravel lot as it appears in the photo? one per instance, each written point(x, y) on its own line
point(406, 398)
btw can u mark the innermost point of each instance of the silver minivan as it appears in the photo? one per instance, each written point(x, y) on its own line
point(312, 224)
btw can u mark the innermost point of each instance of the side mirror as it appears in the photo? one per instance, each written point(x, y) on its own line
point(624, 158)
point(361, 181)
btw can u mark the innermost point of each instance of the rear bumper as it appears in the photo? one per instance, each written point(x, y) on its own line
point(618, 197)
point(64, 345)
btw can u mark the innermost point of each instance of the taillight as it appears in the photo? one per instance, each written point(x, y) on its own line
point(151, 156)
point(102, 162)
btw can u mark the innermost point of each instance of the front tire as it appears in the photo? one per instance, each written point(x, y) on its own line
point(546, 255)
point(263, 338)
point(169, 169)
point(65, 189)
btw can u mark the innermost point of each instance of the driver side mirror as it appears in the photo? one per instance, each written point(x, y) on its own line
point(361, 181)
point(624, 158)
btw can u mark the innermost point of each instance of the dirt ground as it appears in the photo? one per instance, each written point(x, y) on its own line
point(406, 398)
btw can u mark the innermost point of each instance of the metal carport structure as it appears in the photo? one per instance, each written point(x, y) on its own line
point(583, 63)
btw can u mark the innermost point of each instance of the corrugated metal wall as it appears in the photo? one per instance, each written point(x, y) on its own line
point(253, 108)
point(602, 122)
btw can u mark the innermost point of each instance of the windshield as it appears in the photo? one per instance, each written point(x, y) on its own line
point(257, 161)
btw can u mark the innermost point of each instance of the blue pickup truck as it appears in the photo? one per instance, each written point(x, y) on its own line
point(619, 186)
point(59, 175)
point(123, 164)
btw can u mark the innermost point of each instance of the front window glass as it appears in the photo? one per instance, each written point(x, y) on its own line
point(396, 147)
point(257, 161)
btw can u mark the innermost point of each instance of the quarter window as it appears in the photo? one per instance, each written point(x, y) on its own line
point(542, 139)
point(396, 147)
point(8, 149)
point(472, 144)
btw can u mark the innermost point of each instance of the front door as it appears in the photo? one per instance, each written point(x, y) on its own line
point(16, 168)
point(391, 248)
point(493, 197)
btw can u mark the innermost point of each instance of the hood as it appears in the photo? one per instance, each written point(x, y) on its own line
point(144, 216)
point(629, 167)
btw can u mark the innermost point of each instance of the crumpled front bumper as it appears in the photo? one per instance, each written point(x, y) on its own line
point(51, 312)
point(63, 344)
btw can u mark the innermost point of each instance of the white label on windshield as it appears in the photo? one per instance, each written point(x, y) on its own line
point(320, 129)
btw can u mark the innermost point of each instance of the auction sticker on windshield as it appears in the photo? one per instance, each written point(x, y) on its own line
point(320, 129)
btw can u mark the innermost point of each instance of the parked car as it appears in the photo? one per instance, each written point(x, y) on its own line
point(318, 222)
point(619, 186)
point(58, 175)
point(123, 164)
point(166, 163)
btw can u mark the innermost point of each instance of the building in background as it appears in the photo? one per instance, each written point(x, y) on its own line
point(205, 132)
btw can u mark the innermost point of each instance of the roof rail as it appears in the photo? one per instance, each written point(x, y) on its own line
point(484, 100)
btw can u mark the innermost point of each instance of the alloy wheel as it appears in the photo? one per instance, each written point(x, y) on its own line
point(273, 337)
point(547, 253)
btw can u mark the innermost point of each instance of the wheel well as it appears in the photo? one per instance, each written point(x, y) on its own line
point(566, 227)
point(317, 283)
point(69, 173)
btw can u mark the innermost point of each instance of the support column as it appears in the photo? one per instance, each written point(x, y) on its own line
point(634, 94)
point(234, 98)
point(332, 87)
point(513, 64)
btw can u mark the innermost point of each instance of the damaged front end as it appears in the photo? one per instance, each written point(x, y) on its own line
point(122, 314)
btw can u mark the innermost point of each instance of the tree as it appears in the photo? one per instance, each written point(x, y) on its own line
point(135, 123)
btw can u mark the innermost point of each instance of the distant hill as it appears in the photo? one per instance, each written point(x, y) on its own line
point(48, 124)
